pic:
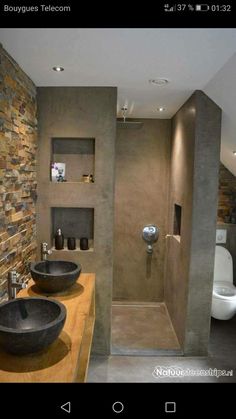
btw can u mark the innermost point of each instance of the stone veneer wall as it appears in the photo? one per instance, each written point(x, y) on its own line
point(18, 137)
point(227, 193)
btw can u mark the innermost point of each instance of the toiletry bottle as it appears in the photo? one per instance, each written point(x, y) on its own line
point(84, 243)
point(71, 243)
point(59, 240)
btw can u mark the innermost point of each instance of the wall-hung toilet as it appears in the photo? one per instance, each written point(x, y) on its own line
point(224, 292)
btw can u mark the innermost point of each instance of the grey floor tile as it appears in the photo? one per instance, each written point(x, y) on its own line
point(222, 355)
point(134, 328)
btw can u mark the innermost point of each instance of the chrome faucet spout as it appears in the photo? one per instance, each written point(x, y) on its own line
point(14, 283)
point(45, 251)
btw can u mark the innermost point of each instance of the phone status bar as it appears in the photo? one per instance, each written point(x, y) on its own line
point(186, 7)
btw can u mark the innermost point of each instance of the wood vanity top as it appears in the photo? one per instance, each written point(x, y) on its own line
point(66, 360)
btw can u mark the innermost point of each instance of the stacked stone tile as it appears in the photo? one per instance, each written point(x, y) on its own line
point(227, 193)
point(18, 142)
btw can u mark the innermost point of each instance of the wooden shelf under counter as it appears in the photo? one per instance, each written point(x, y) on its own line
point(67, 359)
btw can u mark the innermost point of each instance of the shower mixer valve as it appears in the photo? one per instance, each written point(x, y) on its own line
point(150, 236)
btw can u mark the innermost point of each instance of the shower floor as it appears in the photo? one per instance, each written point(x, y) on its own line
point(142, 329)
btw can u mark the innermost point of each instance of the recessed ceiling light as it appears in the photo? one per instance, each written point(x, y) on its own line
point(234, 152)
point(159, 81)
point(57, 68)
point(161, 109)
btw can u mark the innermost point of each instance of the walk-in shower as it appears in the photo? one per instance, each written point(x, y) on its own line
point(140, 319)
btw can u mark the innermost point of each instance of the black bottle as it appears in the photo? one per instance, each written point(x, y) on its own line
point(59, 240)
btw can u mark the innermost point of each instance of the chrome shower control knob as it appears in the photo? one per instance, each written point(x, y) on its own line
point(150, 233)
point(150, 236)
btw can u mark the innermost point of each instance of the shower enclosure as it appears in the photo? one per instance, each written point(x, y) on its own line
point(162, 289)
point(140, 319)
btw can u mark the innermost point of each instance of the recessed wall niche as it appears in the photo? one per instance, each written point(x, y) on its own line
point(74, 222)
point(177, 220)
point(78, 156)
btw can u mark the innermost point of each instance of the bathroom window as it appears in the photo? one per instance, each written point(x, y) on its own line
point(177, 220)
point(73, 160)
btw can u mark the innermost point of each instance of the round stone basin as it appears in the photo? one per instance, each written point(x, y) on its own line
point(54, 275)
point(30, 324)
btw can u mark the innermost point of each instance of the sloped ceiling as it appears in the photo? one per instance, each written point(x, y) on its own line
point(222, 89)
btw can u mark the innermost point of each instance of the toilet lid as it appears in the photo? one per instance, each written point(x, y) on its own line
point(223, 267)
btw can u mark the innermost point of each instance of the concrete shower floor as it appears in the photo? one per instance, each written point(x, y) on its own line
point(142, 329)
point(138, 369)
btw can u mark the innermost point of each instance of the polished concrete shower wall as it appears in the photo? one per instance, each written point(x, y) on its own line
point(193, 186)
point(81, 112)
point(141, 197)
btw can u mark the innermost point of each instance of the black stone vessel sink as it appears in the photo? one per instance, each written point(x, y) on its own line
point(54, 275)
point(29, 325)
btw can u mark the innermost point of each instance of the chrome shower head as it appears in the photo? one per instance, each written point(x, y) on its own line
point(124, 123)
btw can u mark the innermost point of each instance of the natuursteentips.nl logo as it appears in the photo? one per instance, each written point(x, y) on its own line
point(173, 371)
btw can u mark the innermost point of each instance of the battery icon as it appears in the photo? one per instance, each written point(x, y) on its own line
point(201, 7)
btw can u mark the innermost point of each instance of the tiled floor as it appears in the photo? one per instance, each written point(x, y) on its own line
point(143, 329)
point(222, 356)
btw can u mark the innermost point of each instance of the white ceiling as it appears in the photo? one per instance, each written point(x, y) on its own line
point(127, 58)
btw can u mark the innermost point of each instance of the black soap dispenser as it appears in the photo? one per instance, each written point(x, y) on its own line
point(59, 240)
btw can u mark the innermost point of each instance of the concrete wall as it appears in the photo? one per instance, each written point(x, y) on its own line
point(82, 112)
point(18, 141)
point(141, 194)
point(193, 186)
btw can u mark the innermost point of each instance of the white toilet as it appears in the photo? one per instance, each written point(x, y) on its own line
point(224, 292)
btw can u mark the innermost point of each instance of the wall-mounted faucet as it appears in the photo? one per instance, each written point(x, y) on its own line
point(45, 251)
point(14, 284)
point(150, 236)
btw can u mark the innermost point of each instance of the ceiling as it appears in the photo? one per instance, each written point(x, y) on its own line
point(128, 58)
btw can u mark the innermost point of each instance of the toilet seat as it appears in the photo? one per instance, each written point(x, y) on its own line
point(224, 291)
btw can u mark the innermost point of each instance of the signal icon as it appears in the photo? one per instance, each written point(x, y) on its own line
point(191, 8)
point(169, 8)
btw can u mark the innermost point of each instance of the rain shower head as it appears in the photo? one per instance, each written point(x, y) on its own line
point(124, 123)
point(129, 124)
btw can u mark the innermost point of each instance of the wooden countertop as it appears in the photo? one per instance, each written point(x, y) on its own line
point(66, 360)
